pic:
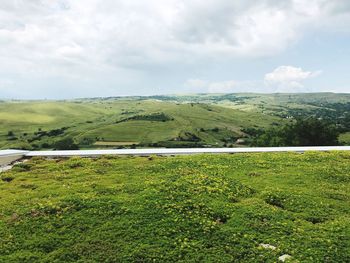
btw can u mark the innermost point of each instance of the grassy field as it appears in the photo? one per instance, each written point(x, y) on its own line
point(116, 143)
point(160, 121)
point(201, 208)
point(143, 121)
point(268, 103)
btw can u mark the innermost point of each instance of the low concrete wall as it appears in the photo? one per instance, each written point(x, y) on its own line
point(179, 151)
point(6, 160)
point(9, 156)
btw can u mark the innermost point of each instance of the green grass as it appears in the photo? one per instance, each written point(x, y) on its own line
point(103, 143)
point(254, 101)
point(144, 121)
point(161, 119)
point(201, 208)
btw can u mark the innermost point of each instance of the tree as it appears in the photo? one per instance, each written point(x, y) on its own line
point(304, 132)
point(313, 132)
point(66, 144)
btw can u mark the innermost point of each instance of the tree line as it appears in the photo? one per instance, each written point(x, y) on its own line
point(302, 132)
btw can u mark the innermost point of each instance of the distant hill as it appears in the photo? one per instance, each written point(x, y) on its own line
point(196, 120)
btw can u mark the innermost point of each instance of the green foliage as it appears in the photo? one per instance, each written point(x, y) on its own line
point(216, 119)
point(344, 138)
point(304, 132)
point(7, 178)
point(202, 208)
point(66, 144)
point(21, 167)
point(158, 116)
point(276, 199)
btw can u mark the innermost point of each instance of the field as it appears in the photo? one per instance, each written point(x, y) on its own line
point(278, 103)
point(40, 124)
point(116, 143)
point(199, 120)
point(200, 208)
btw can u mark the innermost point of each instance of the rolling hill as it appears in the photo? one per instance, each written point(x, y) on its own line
point(201, 120)
point(145, 122)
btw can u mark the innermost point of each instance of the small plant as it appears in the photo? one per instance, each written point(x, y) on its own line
point(75, 162)
point(29, 186)
point(22, 167)
point(254, 174)
point(7, 178)
point(275, 199)
point(14, 138)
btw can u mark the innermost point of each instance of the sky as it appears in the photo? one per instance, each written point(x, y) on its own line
point(59, 49)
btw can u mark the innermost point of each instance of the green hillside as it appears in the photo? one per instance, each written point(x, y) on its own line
point(145, 122)
point(278, 103)
point(203, 208)
point(198, 120)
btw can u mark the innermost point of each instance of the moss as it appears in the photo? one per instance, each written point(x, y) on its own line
point(201, 208)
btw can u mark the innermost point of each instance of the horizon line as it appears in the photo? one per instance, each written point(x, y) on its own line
point(174, 94)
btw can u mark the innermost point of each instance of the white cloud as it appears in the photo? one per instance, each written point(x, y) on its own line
point(196, 84)
point(282, 79)
point(288, 78)
point(124, 33)
point(199, 85)
point(93, 38)
point(223, 87)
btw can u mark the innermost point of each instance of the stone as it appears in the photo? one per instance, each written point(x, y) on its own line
point(267, 246)
point(284, 257)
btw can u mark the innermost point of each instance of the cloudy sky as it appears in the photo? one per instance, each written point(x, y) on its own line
point(69, 48)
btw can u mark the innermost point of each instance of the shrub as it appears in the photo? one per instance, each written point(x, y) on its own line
point(275, 199)
point(45, 145)
point(158, 116)
point(66, 144)
point(7, 178)
point(22, 167)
